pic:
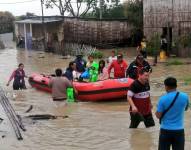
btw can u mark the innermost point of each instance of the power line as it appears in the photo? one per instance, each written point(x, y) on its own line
point(19, 2)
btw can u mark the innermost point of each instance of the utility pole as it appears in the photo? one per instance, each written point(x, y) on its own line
point(43, 25)
point(100, 9)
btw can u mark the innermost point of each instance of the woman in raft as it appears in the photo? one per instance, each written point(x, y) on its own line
point(18, 75)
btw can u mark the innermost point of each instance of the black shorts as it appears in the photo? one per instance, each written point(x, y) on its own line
point(137, 118)
point(19, 87)
point(174, 138)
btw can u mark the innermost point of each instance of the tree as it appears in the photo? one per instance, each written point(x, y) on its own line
point(76, 8)
point(110, 10)
point(133, 10)
point(6, 23)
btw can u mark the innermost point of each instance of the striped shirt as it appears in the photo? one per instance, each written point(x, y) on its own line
point(141, 97)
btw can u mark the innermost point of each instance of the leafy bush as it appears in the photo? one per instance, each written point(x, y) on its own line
point(97, 54)
point(153, 45)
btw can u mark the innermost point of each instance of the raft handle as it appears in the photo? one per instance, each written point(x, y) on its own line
point(43, 81)
point(43, 75)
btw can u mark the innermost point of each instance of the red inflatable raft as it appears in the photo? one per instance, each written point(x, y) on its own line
point(89, 91)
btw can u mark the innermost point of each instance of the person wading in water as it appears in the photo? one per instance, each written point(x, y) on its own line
point(18, 75)
point(170, 110)
point(59, 85)
point(138, 97)
point(136, 66)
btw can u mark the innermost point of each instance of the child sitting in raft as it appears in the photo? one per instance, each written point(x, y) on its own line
point(91, 72)
point(90, 61)
point(102, 71)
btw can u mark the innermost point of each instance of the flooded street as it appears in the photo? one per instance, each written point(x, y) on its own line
point(90, 126)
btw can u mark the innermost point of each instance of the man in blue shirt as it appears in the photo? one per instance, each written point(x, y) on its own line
point(172, 123)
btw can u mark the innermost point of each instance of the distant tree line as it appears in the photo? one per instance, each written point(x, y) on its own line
point(26, 16)
point(6, 22)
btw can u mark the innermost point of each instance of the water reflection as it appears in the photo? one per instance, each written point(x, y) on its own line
point(139, 139)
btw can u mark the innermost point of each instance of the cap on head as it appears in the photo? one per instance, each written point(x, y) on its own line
point(119, 56)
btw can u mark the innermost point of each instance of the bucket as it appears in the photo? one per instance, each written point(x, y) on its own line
point(70, 95)
point(163, 55)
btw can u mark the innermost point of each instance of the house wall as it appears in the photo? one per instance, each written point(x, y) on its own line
point(52, 29)
point(167, 13)
point(89, 32)
point(97, 33)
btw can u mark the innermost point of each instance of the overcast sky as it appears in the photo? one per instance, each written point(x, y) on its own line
point(21, 8)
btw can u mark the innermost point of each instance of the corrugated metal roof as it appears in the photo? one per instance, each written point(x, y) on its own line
point(38, 21)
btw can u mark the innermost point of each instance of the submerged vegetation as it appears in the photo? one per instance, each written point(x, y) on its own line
point(174, 62)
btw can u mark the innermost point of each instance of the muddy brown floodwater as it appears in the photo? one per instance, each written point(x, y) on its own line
point(90, 126)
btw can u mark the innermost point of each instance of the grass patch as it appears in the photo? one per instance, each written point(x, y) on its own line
point(174, 62)
point(187, 80)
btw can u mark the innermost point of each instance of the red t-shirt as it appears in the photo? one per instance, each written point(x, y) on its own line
point(119, 69)
point(141, 97)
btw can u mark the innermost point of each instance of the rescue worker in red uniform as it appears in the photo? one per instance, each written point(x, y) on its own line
point(119, 67)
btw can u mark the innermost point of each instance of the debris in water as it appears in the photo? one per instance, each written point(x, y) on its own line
point(1, 120)
point(29, 109)
point(41, 57)
point(45, 117)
